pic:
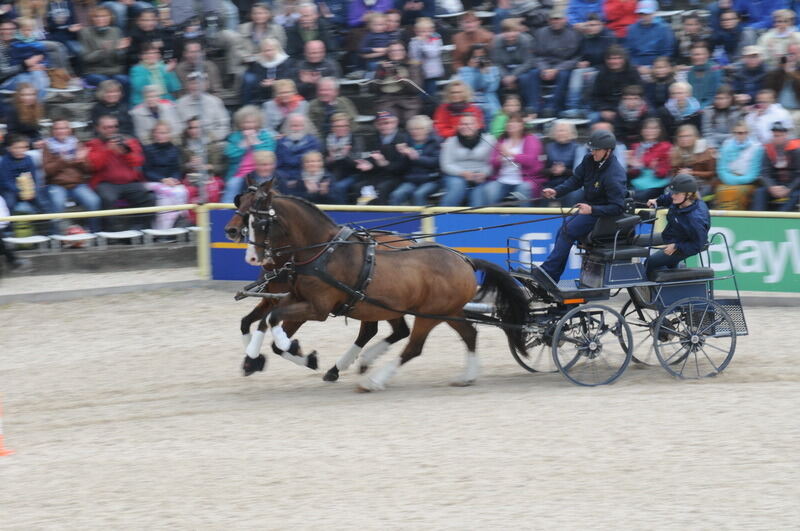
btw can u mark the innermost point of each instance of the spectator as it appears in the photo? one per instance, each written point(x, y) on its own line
point(125, 10)
point(780, 173)
point(719, 118)
point(316, 180)
point(203, 164)
point(471, 33)
point(692, 155)
point(19, 183)
point(242, 46)
point(298, 138)
point(104, 50)
point(146, 34)
point(31, 41)
point(649, 162)
point(649, 37)
point(738, 169)
point(616, 74)
point(163, 170)
point(413, 10)
point(681, 108)
point(152, 71)
point(631, 114)
point(110, 103)
point(532, 12)
point(483, 78)
point(359, 11)
point(309, 27)
point(579, 12)
point(194, 60)
point(151, 111)
point(514, 54)
point(263, 170)
point(327, 103)
point(393, 28)
point(342, 150)
point(662, 76)
point(271, 65)
point(561, 153)
point(557, 52)
point(516, 166)
point(422, 177)
point(209, 108)
point(620, 152)
point(67, 173)
point(32, 70)
point(749, 78)
point(312, 68)
point(759, 14)
point(775, 42)
point(394, 93)
point(465, 162)
point(425, 49)
point(596, 41)
point(715, 10)
point(286, 101)
point(115, 161)
point(14, 262)
point(691, 33)
point(703, 77)
point(249, 138)
point(23, 117)
point(511, 105)
point(376, 42)
point(785, 82)
point(764, 114)
point(384, 166)
point(729, 39)
point(620, 15)
point(457, 102)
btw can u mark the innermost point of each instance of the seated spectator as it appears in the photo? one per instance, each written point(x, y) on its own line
point(209, 108)
point(359, 11)
point(471, 34)
point(375, 43)
point(67, 173)
point(151, 111)
point(242, 46)
point(152, 71)
point(681, 108)
point(631, 114)
point(579, 12)
point(104, 50)
point(20, 185)
point(146, 34)
point(729, 39)
point(513, 52)
point(382, 169)
point(115, 161)
point(309, 27)
point(738, 169)
point(591, 56)
point(557, 51)
point(250, 137)
point(425, 49)
point(532, 13)
point(764, 114)
point(394, 93)
point(342, 150)
point(719, 118)
point(780, 173)
point(483, 78)
point(110, 103)
point(203, 164)
point(14, 263)
point(263, 169)
point(23, 117)
point(616, 74)
point(703, 76)
point(692, 155)
point(327, 103)
point(749, 78)
point(465, 162)
point(620, 152)
point(269, 66)
point(759, 15)
point(785, 82)
point(316, 180)
point(775, 43)
point(662, 76)
point(125, 11)
point(411, 11)
point(298, 137)
point(457, 102)
point(193, 60)
point(31, 70)
point(516, 166)
point(561, 159)
point(163, 170)
point(691, 32)
point(286, 101)
point(649, 37)
point(313, 66)
point(32, 41)
point(511, 105)
point(620, 15)
point(649, 163)
point(421, 179)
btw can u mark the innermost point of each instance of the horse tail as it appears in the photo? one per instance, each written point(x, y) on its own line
point(510, 301)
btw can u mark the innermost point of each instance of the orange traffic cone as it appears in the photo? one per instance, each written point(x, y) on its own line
point(3, 449)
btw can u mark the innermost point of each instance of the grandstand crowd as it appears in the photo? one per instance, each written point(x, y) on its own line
point(468, 104)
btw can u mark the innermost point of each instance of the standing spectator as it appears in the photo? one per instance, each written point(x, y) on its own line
point(514, 54)
point(22, 118)
point(749, 78)
point(620, 15)
point(422, 177)
point(309, 27)
point(193, 60)
point(249, 138)
point(298, 138)
point(703, 76)
point(764, 114)
point(596, 41)
point(67, 172)
point(785, 82)
point(203, 164)
point(19, 182)
point(561, 154)
point(425, 49)
point(681, 108)
point(152, 111)
point(342, 150)
point(242, 46)
point(649, 37)
point(631, 115)
point(484, 80)
point(384, 166)
point(327, 103)
point(691, 32)
point(471, 33)
point(209, 108)
point(152, 71)
point(557, 50)
point(616, 74)
point(316, 180)
point(516, 165)
point(775, 42)
point(720, 118)
point(394, 93)
point(104, 50)
point(31, 70)
point(780, 173)
point(692, 155)
point(272, 64)
point(465, 162)
point(649, 162)
point(110, 103)
point(738, 169)
point(313, 67)
point(457, 102)
point(163, 170)
point(376, 42)
point(115, 162)
point(286, 101)
point(662, 76)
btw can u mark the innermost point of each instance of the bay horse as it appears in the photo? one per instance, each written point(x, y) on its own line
point(336, 273)
point(278, 285)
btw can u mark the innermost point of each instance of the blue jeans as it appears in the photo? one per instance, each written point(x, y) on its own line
point(417, 193)
point(762, 198)
point(455, 191)
point(341, 190)
point(579, 78)
point(81, 194)
point(37, 78)
point(233, 187)
point(121, 12)
point(661, 260)
point(530, 85)
point(574, 228)
point(493, 192)
point(251, 89)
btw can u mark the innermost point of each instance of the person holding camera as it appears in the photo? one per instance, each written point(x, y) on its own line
point(483, 78)
point(396, 93)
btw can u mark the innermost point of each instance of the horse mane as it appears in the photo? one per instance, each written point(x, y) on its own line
point(311, 206)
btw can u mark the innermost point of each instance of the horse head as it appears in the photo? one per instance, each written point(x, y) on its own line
point(260, 217)
point(236, 228)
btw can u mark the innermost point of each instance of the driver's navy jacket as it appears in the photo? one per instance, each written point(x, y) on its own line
point(604, 188)
point(686, 227)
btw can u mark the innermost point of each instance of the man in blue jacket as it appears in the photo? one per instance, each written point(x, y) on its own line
point(603, 180)
point(649, 38)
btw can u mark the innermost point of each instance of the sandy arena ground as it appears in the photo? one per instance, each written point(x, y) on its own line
point(128, 412)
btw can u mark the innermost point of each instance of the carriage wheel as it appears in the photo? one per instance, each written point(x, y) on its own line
point(592, 345)
point(539, 357)
point(641, 321)
point(694, 338)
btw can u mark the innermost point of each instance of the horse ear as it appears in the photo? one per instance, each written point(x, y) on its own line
point(237, 200)
point(266, 186)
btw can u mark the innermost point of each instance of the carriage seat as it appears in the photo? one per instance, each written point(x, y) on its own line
point(684, 273)
point(600, 242)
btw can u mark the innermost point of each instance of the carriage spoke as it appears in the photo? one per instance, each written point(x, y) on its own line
point(716, 347)
point(679, 351)
point(685, 359)
point(712, 325)
point(709, 360)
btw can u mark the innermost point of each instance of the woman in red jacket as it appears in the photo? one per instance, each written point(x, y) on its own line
point(516, 165)
point(649, 163)
point(457, 97)
point(620, 14)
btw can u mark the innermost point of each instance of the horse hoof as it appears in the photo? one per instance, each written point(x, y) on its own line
point(362, 369)
point(312, 362)
point(251, 365)
point(362, 389)
point(332, 375)
point(462, 383)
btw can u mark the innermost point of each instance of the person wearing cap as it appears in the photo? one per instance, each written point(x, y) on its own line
point(780, 173)
point(603, 180)
point(687, 227)
point(749, 77)
point(649, 37)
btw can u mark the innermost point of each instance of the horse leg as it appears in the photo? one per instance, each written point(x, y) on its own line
point(469, 334)
point(293, 353)
point(365, 333)
point(291, 311)
point(399, 331)
point(377, 379)
point(254, 361)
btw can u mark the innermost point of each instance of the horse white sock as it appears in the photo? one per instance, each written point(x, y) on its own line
point(299, 360)
point(254, 347)
point(348, 358)
point(374, 352)
point(473, 367)
point(246, 339)
point(280, 338)
point(379, 377)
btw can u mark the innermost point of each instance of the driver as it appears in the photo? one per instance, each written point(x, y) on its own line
point(603, 180)
point(687, 227)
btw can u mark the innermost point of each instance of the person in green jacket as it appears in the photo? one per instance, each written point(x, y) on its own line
point(152, 71)
point(511, 105)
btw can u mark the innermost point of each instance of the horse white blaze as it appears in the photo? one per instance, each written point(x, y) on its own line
point(251, 256)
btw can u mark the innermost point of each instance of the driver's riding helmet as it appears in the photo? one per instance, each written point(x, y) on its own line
point(602, 140)
point(683, 183)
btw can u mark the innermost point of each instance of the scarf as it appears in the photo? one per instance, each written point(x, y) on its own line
point(337, 144)
point(692, 106)
point(468, 142)
point(741, 164)
point(290, 106)
point(157, 77)
point(313, 177)
point(66, 149)
point(280, 58)
point(631, 115)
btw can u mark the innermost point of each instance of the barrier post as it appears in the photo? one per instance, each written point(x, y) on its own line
point(428, 224)
point(203, 242)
